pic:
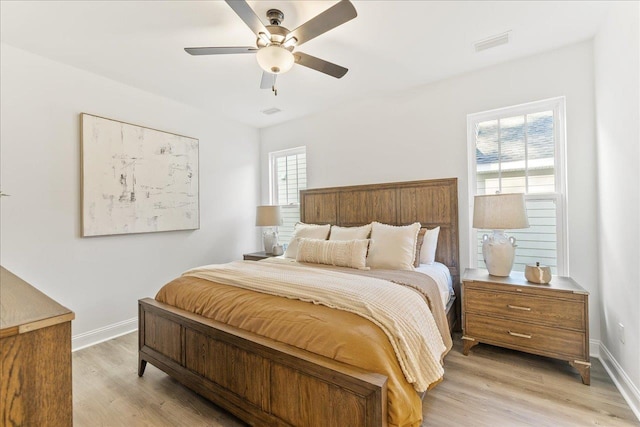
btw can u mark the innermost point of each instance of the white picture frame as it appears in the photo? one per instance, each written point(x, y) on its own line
point(136, 179)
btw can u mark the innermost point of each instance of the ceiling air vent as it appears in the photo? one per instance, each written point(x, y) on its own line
point(492, 41)
point(270, 111)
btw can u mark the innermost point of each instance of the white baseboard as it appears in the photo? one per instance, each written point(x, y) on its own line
point(594, 348)
point(622, 381)
point(96, 336)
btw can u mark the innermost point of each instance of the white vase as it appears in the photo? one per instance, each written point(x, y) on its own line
point(498, 252)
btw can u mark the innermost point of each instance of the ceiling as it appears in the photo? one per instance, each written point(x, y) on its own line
point(392, 46)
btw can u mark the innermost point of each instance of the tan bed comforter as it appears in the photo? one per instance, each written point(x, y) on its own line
point(338, 334)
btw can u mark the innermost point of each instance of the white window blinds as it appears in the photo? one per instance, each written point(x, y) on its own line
point(288, 170)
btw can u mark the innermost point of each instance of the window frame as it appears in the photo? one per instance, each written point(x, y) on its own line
point(558, 106)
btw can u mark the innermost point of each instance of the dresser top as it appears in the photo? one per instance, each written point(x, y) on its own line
point(23, 308)
point(559, 283)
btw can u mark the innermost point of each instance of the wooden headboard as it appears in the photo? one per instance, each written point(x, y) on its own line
point(432, 203)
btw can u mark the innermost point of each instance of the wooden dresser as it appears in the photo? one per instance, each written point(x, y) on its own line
point(35, 352)
point(550, 320)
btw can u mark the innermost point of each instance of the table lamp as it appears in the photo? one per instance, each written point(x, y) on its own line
point(269, 216)
point(499, 212)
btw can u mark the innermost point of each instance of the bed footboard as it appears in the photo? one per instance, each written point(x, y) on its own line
point(261, 381)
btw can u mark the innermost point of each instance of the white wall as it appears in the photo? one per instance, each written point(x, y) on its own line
point(421, 134)
point(617, 75)
point(101, 278)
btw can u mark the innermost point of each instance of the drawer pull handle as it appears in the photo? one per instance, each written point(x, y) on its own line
point(517, 307)
point(515, 334)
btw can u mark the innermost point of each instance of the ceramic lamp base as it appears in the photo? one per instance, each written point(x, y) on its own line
point(498, 252)
point(270, 239)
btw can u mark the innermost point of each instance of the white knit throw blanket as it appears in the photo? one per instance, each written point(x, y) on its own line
point(399, 311)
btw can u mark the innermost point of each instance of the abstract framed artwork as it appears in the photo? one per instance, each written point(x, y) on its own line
point(136, 179)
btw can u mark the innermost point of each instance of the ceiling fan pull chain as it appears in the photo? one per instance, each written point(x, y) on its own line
point(274, 90)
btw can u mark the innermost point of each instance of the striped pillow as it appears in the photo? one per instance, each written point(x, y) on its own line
point(341, 253)
point(308, 231)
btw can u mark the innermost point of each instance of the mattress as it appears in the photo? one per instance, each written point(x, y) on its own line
point(442, 276)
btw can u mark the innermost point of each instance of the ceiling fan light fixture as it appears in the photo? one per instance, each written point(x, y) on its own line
point(275, 59)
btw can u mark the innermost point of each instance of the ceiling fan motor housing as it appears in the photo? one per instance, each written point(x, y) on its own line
point(278, 35)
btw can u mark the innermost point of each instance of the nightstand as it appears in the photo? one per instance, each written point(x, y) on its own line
point(549, 320)
point(257, 256)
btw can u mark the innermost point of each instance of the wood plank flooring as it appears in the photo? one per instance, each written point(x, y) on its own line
point(490, 387)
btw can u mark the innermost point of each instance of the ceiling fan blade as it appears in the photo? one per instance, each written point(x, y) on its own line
point(219, 50)
point(336, 15)
point(268, 80)
point(244, 11)
point(321, 65)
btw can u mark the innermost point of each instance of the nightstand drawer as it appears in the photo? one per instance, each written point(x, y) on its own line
point(526, 336)
point(549, 311)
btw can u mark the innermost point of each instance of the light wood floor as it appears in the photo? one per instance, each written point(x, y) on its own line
point(490, 387)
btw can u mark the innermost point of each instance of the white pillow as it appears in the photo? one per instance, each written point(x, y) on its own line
point(349, 233)
point(393, 247)
point(342, 253)
point(309, 231)
point(429, 246)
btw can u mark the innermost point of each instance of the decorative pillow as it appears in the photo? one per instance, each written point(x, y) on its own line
point(393, 247)
point(309, 231)
point(429, 246)
point(349, 233)
point(341, 253)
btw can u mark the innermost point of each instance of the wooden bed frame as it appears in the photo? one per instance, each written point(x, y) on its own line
point(265, 382)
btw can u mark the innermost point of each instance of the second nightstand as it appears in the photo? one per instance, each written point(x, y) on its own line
point(257, 256)
point(550, 320)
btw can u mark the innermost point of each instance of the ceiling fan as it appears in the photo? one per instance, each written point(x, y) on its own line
point(275, 44)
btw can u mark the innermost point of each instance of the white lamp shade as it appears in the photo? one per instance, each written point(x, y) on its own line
point(268, 216)
point(500, 212)
point(275, 59)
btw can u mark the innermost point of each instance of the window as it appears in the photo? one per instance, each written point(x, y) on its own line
point(520, 149)
point(288, 175)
